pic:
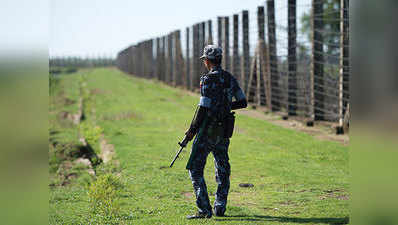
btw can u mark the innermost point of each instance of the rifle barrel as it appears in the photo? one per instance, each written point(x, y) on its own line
point(175, 157)
point(183, 144)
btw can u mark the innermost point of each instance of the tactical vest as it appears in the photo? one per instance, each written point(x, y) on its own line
point(216, 122)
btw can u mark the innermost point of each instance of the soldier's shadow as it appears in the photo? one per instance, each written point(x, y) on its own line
point(344, 220)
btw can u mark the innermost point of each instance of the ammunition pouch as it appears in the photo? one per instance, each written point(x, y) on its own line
point(229, 123)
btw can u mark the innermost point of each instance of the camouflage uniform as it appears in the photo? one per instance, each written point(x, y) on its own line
point(210, 138)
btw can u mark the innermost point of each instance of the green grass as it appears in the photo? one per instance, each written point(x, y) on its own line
point(297, 178)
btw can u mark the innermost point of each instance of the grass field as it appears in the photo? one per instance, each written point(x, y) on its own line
point(297, 178)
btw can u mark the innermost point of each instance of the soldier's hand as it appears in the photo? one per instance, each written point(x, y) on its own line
point(189, 134)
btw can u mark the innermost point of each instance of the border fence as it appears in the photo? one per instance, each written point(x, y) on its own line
point(297, 70)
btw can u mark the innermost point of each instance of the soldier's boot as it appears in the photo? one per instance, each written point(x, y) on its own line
point(199, 215)
point(218, 211)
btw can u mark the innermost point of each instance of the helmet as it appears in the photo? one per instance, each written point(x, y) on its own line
point(211, 52)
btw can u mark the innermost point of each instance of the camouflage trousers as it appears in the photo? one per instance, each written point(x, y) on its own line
point(201, 147)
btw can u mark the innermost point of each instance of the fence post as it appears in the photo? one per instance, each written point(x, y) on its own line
point(139, 60)
point(126, 60)
point(194, 48)
point(167, 60)
point(219, 30)
point(129, 63)
point(170, 58)
point(202, 46)
point(245, 62)
point(261, 73)
point(292, 59)
point(226, 59)
point(133, 50)
point(144, 60)
point(148, 57)
point(260, 23)
point(235, 53)
point(264, 62)
point(135, 53)
point(158, 58)
point(210, 34)
point(180, 73)
point(163, 59)
point(203, 36)
point(346, 55)
point(72, 63)
point(344, 64)
point(317, 98)
point(133, 60)
point(176, 74)
point(272, 59)
point(187, 63)
point(257, 58)
point(174, 50)
point(151, 69)
point(195, 62)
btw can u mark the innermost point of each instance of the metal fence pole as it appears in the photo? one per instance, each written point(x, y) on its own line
point(317, 61)
point(245, 67)
point(235, 53)
point(292, 58)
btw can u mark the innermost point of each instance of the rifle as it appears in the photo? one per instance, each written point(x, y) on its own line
point(183, 144)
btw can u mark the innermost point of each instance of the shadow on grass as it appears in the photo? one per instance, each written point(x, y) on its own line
point(344, 220)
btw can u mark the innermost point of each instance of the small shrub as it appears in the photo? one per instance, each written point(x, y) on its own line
point(103, 196)
point(105, 168)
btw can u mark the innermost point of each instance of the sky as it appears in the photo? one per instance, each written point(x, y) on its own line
point(103, 27)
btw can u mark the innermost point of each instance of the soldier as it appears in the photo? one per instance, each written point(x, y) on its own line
point(212, 127)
